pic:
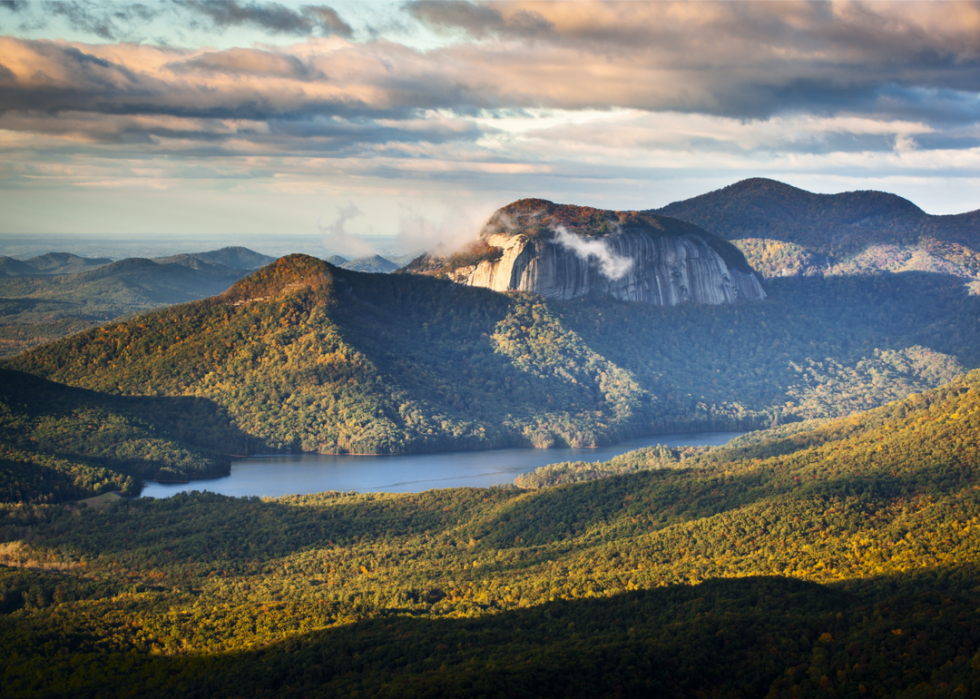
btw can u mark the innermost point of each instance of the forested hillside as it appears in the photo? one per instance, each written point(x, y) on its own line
point(305, 356)
point(838, 560)
point(53, 296)
point(234, 257)
point(375, 264)
point(786, 231)
point(59, 443)
point(49, 264)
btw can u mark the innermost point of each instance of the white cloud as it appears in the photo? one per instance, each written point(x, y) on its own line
point(621, 105)
point(339, 241)
point(612, 265)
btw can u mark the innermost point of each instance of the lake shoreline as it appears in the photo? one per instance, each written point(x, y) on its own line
point(278, 474)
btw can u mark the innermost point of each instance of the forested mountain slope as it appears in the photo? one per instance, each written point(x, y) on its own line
point(305, 356)
point(784, 230)
point(234, 257)
point(839, 562)
point(39, 309)
point(60, 443)
point(376, 264)
point(50, 264)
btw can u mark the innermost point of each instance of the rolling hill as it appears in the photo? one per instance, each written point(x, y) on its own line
point(230, 257)
point(59, 443)
point(38, 309)
point(305, 356)
point(375, 264)
point(50, 264)
point(840, 561)
point(784, 230)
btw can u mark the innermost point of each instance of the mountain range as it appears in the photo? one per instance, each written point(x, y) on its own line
point(836, 561)
point(61, 263)
point(52, 263)
point(832, 553)
point(52, 299)
point(305, 356)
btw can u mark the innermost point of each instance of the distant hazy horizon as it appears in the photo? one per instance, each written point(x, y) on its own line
point(122, 246)
point(416, 120)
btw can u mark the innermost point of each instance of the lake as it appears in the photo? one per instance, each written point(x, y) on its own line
point(295, 474)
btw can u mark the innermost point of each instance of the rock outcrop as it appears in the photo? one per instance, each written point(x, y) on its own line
point(567, 252)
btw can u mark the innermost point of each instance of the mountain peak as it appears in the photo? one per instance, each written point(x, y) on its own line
point(564, 251)
point(284, 276)
point(765, 208)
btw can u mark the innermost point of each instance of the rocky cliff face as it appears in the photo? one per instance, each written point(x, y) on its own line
point(567, 252)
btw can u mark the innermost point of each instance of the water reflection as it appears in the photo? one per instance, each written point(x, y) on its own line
point(314, 473)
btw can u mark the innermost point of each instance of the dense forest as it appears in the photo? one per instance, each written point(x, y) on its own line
point(305, 356)
point(59, 443)
point(59, 294)
point(826, 223)
point(836, 558)
point(785, 231)
point(833, 553)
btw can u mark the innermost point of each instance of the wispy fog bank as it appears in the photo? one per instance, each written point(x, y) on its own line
point(460, 226)
point(612, 265)
point(337, 240)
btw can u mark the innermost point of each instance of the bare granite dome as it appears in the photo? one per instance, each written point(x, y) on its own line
point(566, 252)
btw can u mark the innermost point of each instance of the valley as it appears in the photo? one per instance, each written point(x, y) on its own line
point(831, 551)
point(275, 475)
point(304, 356)
point(839, 557)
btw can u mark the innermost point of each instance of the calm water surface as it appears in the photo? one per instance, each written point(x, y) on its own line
point(293, 474)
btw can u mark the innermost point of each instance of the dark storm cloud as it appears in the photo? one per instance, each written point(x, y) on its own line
point(271, 17)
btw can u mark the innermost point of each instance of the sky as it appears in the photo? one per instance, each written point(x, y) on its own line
point(396, 126)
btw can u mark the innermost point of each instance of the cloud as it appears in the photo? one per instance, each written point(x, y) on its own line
point(100, 19)
point(611, 264)
point(478, 20)
point(253, 62)
point(336, 238)
point(634, 131)
point(271, 17)
point(592, 99)
point(738, 60)
point(729, 58)
point(328, 20)
point(419, 232)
